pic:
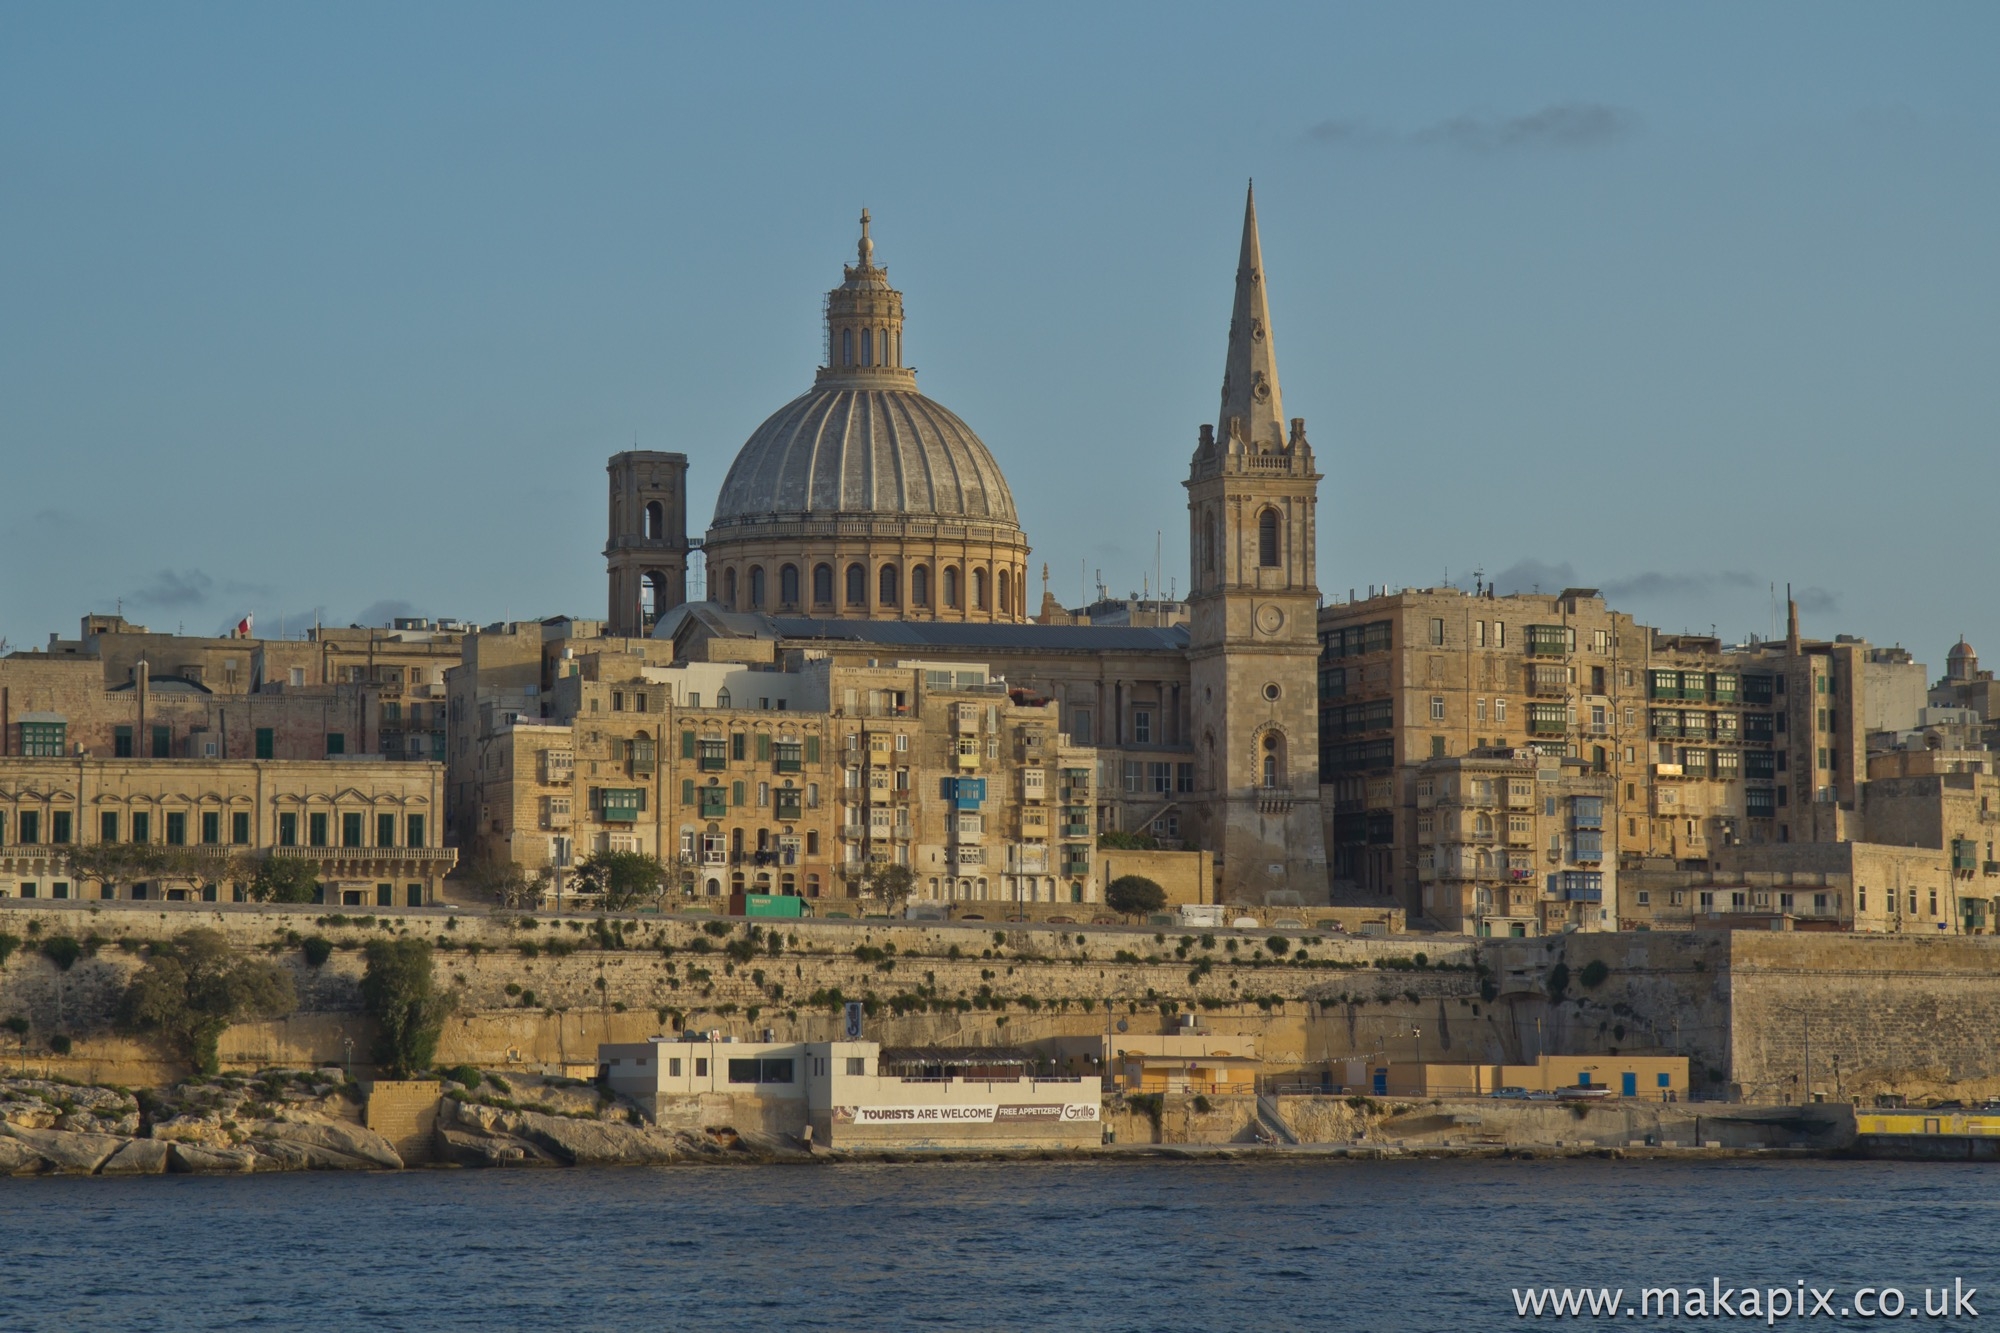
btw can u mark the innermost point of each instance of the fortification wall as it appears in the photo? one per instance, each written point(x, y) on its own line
point(1905, 1015)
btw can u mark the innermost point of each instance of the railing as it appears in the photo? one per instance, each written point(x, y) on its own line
point(366, 853)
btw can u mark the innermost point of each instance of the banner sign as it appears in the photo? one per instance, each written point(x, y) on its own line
point(1052, 1112)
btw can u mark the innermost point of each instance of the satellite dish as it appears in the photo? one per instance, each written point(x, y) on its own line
point(1121, 1025)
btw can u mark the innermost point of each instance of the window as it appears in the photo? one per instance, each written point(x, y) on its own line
point(177, 829)
point(350, 830)
point(1184, 777)
point(239, 828)
point(1267, 539)
point(211, 827)
point(121, 742)
point(288, 830)
point(1142, 727)
point(979, 590)
point(1479, 634)
point(857, 585)
point(1082, 730)
point(788, 585)
point(43, 740)
point(59, 827)
point(1006, 593)
point(757, 588)
point(107, 826)
point(920, 586)
point(1499, 710)
point(316, 829)
point(760, 1071)
point(1437, 705)
point(950, 582)
point(336, 743)
point(886, 586)
point(1437, 747)
point(1437, 633)
point(822, 585)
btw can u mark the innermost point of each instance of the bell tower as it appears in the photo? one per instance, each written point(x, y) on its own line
point(1253, 642)
point(647, 548)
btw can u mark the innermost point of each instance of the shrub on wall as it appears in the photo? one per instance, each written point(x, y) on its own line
point(194, 986)
point(400, 994)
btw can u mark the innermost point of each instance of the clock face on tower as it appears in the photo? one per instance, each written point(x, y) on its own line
point(1270, 618)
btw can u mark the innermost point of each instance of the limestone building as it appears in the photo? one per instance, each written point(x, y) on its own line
point(794, 777)
point(372, 828)
point(867, 523)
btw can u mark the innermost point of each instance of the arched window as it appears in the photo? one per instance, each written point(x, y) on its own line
point(656, 520)
point(979, 590)
point(867, 347)
point(812, 886)
point(857, 585)
point(951, 587)
point(847, 347)
point(1208, 542)
point(1274, 759)
point(1006, 593)
point(1270, 770)
point(722, 699)
point(822, 585)
point(920, 586)
point(729, 588)
point(883, 342)
point(1267, 539)
point(788, 586)
point(756, 587)
point(652, 596)
point(886, 587)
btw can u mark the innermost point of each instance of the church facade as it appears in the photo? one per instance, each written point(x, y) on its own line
point(865, 523)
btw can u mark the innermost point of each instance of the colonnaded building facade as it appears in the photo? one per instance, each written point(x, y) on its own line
point(867, 524)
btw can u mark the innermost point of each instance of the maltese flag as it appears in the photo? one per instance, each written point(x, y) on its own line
point(243, 626)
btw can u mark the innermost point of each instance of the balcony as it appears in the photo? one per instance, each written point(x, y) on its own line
point(370, 860)
point(1544, 683)
point(1548, 640)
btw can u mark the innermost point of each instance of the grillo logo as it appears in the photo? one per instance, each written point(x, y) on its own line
point(1716, 1301)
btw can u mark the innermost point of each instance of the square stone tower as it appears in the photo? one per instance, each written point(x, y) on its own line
point(647, 549)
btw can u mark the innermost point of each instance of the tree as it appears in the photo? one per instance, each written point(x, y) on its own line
point(890, 882)
point(495, 880)
point(194, 986)
point(1134, 895)
point(399, 993)
point(1130, 842)
point(624, 878)
point(285, 879)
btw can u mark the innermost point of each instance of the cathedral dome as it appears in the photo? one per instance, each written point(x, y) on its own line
point(856, 450)
point(861, 498)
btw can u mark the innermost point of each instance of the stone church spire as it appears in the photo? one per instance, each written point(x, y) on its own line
point(1252, 408)
point(864, 325)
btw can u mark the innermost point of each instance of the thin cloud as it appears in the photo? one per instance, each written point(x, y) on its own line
point(1534, 576)
point(1655, 585)
point(385, 612)
point(170, 589)
point(1817, 601)
point(1560, 126)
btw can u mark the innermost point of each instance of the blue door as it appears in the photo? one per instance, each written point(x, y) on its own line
point(1630, 1086)
point(1381, 1083)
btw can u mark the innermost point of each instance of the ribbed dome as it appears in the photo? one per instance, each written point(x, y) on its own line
point(853, 450)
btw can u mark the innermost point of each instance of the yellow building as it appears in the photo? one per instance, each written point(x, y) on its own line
point(372, 828)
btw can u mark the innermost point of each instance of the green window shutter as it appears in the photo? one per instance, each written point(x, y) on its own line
point(736, 793)
point(415, 828)
point(763, 748)
point(211, 827)
point(163, 741)
point(812, 749)
point(737, 748)
point(336, 743)
point(385, 830)
point(239, 828)
point(107, 826)
point(687, 791)
point(265, 746)
point(687, 745)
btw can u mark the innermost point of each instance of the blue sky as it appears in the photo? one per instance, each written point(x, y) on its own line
point(341, 308)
